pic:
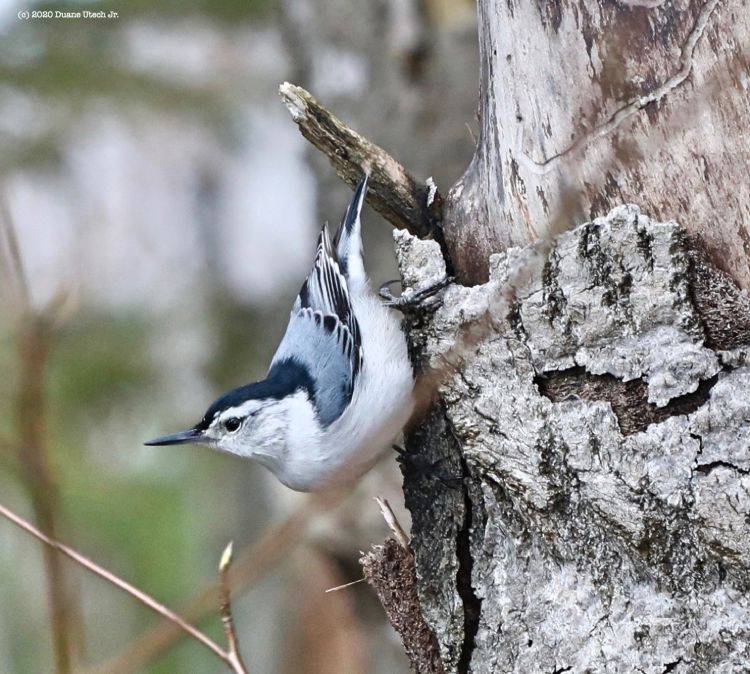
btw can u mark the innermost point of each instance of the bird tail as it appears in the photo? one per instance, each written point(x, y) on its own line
point(348, 240)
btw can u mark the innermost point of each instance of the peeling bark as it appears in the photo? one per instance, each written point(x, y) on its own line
point(602, 424)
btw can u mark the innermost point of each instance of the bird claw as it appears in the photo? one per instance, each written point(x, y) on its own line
point(425, 468)
point(416, 301)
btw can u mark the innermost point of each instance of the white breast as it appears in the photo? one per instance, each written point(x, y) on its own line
point(382, 403)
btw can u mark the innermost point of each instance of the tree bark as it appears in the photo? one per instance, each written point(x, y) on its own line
point(598, 409)
point(601, 418)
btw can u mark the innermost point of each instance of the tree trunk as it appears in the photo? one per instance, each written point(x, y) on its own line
point(599, 415)
point(580, 491)
point(634, 101)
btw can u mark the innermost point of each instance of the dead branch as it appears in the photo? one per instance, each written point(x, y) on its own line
point(392, 191)
point(389, 568)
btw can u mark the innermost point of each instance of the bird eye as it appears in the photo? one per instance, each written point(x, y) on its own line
point(232, 424)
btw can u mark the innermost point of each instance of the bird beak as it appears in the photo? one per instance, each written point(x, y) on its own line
point(192, 435)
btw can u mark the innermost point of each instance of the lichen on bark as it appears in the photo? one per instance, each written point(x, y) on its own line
point(602, 430)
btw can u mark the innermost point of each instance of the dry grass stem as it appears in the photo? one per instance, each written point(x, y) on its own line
point(225, 609)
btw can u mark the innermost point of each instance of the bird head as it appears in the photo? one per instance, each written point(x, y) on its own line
point(254, 421)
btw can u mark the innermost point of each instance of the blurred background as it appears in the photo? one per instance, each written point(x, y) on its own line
point(166, 209)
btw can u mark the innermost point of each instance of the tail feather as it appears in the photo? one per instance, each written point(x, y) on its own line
point(348, 239)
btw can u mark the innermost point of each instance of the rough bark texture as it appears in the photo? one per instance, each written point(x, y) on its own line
point(621, 101)
point(601, 421)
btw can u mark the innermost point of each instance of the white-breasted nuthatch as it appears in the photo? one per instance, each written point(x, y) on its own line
point(340, 386)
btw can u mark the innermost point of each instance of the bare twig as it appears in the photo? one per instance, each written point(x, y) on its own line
point(273, 546)
point(345, 585)
point(225, 609)
point(392, 191)
point(392, 521)
point(393, 524)
point(118, 582)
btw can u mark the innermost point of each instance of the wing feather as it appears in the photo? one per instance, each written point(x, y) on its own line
point(348, 239)
point(323, 334)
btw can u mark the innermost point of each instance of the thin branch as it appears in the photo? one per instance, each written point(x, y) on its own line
point(345, 585)
point(392, 521)
point(225, 609)
point(32, 339)
point(118, 582)
point(263, 555)
point(392, 191)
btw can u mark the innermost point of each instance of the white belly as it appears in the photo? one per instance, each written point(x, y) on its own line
point(380, 407)
point(383, 402)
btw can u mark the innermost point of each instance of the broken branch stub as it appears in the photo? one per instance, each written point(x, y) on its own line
point(392, 191)
point(389, 568)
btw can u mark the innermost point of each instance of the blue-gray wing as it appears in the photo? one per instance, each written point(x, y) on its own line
point(323, 335)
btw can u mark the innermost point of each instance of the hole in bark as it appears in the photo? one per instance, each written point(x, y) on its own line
point(707, 468)
point(629, 399)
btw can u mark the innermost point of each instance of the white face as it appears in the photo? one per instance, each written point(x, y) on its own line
point(256, 428)
point(283, 435)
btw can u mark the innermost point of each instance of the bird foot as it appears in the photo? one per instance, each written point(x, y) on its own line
point(426, 468)
point(416, 301)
